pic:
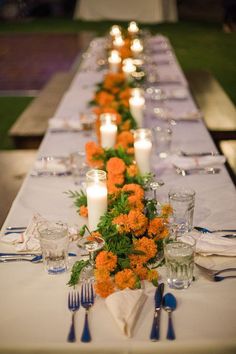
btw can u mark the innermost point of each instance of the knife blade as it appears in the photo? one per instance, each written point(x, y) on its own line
point(155, 331)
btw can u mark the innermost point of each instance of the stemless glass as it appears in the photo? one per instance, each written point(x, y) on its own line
point(179, 261)
point(54, 242)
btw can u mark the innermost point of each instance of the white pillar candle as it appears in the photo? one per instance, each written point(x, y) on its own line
point(115, 31)
point(108, 130)
point(128, 68)
point(136, 47)
point(114, 61)
point(133, 28)
point(142, 150)
point(136, 104)
point(96, 197)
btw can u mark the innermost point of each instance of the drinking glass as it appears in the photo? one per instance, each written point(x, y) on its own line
point(182, 201)
point(162, 138)
point(179, 261)
point(78, 166)
point(54, 242)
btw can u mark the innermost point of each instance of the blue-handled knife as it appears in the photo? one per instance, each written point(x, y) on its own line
point(155, 331)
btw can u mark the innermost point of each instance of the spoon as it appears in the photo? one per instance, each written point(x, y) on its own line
point(169, 304)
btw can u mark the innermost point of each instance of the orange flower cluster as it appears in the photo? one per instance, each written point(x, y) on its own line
point(94, 154)
point(157, 228)
point(125, 140)
point(83, 211)
point(115, 174)
point(136, 195)
point(106, 262)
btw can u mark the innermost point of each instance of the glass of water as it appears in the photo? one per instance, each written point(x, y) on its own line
point(182, 200)
point(179, 261)
point(78, 166)
point(54, 242)
point(162, 138)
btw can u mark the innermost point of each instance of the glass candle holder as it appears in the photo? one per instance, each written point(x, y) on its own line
point(137, 105)
point(114, 61)
point(108, 130)
point(133, 28)
point(128, 68)
point(136, 47)
point(142, 149)
point(96, 190)
point(115, 31)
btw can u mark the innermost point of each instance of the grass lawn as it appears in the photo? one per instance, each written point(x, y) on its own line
point(11, 107)
point(197, 45)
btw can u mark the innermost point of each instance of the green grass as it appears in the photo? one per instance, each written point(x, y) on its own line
point(198, 45)
point(11, 107)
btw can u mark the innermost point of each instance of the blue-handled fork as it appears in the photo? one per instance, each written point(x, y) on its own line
point(87, 301)
point(73, 306)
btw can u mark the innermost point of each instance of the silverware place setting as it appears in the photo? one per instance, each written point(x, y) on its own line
point(197, 171)
point(155, 331)
point(73, 306)
point(230, 233)
point(169, 304)
point(87, 301)
point(215, 275)
point(198, 154)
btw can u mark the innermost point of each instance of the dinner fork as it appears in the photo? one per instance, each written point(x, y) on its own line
point(198, 171)
point(73, 306)
point(87, 301)
point(215, 274)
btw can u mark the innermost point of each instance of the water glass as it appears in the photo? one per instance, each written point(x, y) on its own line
point(182, 201)
point(78, 166)
point(179, 261)
point(162, 138)
point(54, 242)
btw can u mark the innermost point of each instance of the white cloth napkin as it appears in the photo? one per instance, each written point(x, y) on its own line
point(195, 162)
point(27, 240)
point(213, 244)
point(69, 123)
point(125, 307)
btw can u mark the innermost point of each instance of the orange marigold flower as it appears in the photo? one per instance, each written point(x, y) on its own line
point(107, 260)
point(125, 94)
point(157, 228)
point(132, 170)
point(147, 246)
point(104, 288)
point(121, 222)
point(134, 189)
point(112, 188)
point(115, 166)
point(101, 274)
point(83, 211)
point(125, 279)
point(166, 210)
point(115, 179)
point(94, 154)
point(152, 275)
point(137, 222)
point(130, 151)
point(141, 271)
point(104, 98)
point(125, 139)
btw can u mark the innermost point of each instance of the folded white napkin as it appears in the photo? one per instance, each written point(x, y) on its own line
point(69, 123)
point(125, 307)
point(50, 164)
point(195, 162)
point(213, 244)
point(27, 240)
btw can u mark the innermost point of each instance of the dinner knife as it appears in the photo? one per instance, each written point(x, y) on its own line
point(155, 331)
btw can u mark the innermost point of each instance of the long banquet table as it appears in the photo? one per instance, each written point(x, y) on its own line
point(33, 307)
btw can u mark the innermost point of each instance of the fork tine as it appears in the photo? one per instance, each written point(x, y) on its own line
point(91, 293)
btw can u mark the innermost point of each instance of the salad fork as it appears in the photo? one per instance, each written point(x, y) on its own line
point(73, 306)
point(87, 301)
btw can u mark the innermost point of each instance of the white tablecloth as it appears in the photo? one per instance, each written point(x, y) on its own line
point(149, 11)
point(33, 307)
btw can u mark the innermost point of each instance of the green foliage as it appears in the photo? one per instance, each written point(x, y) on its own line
point(151, 208)
point(76, 271)
point(119, 152)
point(79, 198)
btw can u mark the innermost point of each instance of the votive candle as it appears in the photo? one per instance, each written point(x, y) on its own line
point(136, 105)
point(96, 197)
point(142, 149)
point(114, 61)
point(108, 130)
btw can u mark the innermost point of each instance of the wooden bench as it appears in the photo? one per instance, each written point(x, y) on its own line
point(30, 127)
point(14, 165)
point(219, 113)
